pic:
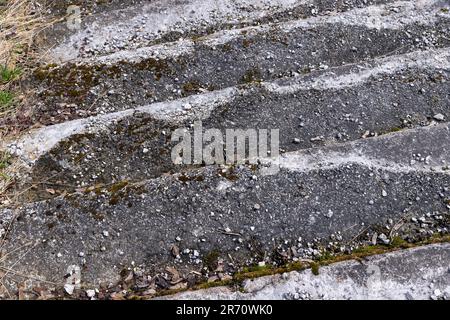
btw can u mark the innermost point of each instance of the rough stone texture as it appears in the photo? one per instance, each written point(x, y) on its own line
point(412, 274)
point(169, 20)
point(316, 110)
point(359, 91)
point(145, 219)
point(130, 78)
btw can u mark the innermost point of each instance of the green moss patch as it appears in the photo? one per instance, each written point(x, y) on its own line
point(6, 100)
point(9, 74)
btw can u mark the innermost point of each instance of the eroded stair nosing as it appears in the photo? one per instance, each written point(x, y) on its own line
point(199, 107)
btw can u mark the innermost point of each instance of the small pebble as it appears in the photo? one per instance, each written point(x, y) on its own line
point(90, 293)
point(69, 288)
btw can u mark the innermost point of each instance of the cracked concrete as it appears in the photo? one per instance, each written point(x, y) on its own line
point(358, 89)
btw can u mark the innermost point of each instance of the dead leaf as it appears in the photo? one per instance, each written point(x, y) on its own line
point(22, 295)
point(175, 251)
point(117, 296)
point(175, 274)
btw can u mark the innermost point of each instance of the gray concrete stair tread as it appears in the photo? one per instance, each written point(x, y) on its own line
point(314, 196)
point(344, 104)
point(159, 21)
point(413, 274)
point(132, 78)
point(360, 93)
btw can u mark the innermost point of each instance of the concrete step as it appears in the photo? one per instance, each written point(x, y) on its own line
point(330, 196)
point(345, 104)
point(132, 78)
point(413, 274)
point(359, 91)
point(88, 7)
point(143, 23)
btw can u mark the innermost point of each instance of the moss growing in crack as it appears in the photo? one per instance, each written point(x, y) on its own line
point(251, 76)
point(306, 70)
point(260, 271)
point(315, 268)
point(116, 192)
point(247, 43)
point(185, 178)
point(257, 269)
point(159, 67)
point(398, 242)
point(97, 189)
point(257, 272)
point(214, 284)
point(125, 189)
point(395, 129)
point(192, 87)
point(325, 256)
point(368, 250)
point(229, 173)
point(118, 186)
point(391, 130)
point(210, 260)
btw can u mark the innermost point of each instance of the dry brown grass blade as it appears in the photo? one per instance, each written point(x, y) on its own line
point(10, 170)
point(11, 268)
point(20, 22)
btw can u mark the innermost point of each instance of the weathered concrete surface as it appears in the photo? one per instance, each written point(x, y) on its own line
point(236, 210)
point(131, 78)
point(333, 107)
point(162, 21)
point(420, 273)
point(358, 89)
point(420, 76)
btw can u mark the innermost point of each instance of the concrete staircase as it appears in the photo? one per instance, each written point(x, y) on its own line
point(359, 90)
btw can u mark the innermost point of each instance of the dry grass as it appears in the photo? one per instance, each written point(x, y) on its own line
point(21, 21)
point(5, 179)
point(10, 169)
